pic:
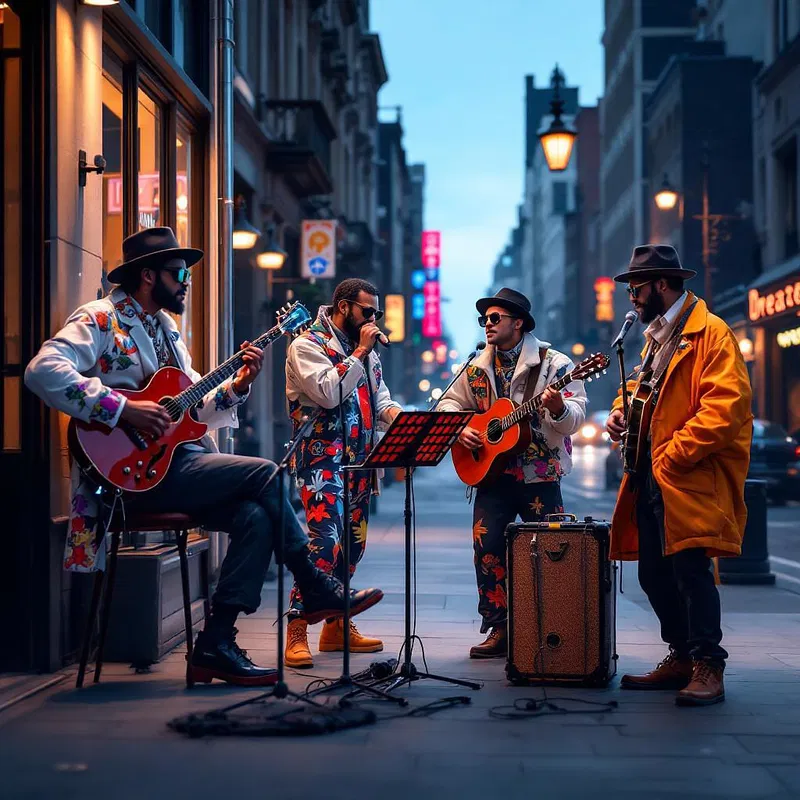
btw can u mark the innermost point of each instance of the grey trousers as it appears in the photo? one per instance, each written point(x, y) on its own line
point(230, 493)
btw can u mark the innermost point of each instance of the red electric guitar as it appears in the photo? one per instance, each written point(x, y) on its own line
point(125, 458)
point(505, 430)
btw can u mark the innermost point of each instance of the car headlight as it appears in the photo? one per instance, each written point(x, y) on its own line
point(588, 431)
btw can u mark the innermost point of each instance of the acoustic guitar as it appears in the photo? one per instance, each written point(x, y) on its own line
point(505, 429)
point(128, 459)
point(640, 413)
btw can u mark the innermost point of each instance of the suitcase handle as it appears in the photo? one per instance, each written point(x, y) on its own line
point(562, 515)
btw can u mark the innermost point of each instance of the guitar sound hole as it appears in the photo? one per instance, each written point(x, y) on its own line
point(172, 407)
point(494, 431)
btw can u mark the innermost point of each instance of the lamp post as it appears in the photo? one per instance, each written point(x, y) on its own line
point(558, 139)
point(245, 235)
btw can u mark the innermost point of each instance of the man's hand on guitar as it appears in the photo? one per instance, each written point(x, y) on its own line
point(147, 417)
point(615, 425)
point(470, 438)
point(553, 401)
point(253, 358)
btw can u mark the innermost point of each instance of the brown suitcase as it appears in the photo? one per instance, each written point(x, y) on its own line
point(561, 602)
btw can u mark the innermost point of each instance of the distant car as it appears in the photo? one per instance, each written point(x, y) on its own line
point(773, 458)
point(593, 431)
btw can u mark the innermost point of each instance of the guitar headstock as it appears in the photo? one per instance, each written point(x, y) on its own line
point(591, 366)
point(293, 318)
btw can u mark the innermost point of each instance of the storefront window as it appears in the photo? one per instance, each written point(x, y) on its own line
point(113, 225)
point(10, 273)
point(149, 167)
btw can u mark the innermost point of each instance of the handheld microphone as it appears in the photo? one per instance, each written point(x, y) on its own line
point(383, 339)
point(478, 347)
point(630, 318)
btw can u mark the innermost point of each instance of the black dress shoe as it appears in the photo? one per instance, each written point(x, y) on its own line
point(323, 598)
point(225, 660)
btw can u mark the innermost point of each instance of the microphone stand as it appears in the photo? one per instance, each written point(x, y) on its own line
point(623, 380)
point(472, 356)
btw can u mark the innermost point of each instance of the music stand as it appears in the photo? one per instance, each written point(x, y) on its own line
point(416, 439)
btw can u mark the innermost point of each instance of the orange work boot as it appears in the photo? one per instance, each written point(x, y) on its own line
point(332, 639)
point(297, 654)
point(671, 673)
point(705, 688)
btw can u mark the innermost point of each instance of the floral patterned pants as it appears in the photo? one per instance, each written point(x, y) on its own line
point(496, 506)
point(322, 493)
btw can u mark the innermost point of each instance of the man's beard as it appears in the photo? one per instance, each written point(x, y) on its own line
point(351, 328)
point(653, 307)
point(165, 299)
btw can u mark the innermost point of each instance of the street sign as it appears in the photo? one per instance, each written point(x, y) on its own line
point(395, 319)
point(431, 249)
point(318, 249)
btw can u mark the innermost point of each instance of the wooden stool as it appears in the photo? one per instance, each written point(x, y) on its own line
point(180, 524)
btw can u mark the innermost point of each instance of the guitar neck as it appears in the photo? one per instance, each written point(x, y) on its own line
point(197, 391)
point(534, 404)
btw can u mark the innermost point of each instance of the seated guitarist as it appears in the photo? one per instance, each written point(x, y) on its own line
point(687, 503)
point(117, 343)
point(530, 487)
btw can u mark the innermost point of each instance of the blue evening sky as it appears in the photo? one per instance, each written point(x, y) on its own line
point(457, 67)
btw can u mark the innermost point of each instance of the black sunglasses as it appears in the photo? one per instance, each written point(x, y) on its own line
point(368, 311)
point(633, 291)
point(181, 274)
point(494, 318)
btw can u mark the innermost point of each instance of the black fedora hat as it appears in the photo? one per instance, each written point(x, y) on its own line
point(651, 261)
point(152, 247)
point(514, 301)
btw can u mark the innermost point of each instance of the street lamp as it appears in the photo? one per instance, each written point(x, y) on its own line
point(558, 139)
point(578, 349)
point(245, 235)
point(746, 347)
point(98, 2)
point(273, 256)
point(666, 197)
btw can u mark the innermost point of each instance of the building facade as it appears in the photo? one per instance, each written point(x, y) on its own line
point(639, 38)
point(772, 305)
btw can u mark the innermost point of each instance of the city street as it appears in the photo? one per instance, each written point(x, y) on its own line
point(114, 736)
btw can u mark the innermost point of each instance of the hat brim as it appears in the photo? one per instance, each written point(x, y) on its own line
point(190, 255)
point(529, 323)
point(649, 274)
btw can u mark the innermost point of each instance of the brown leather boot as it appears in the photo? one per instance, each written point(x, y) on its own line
point(671, 673)
point(705, 688)
point(494, 646)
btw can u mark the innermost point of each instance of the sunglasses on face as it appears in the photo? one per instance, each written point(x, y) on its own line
point(494, 318)
point(368, 311)
point(181, 274)
point(634, 291)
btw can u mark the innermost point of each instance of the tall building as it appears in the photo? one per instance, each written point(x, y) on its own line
point(773, 299)
point(639, 38)
point(548, 197)
point(415, 224)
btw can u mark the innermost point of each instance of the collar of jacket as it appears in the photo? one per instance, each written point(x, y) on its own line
point(119, 297)
point(528, 358)
point(697, 321)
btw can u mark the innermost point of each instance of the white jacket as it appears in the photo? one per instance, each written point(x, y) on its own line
point(550, 455)
point(102, 347)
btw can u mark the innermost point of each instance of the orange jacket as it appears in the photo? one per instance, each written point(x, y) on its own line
point(700, 443)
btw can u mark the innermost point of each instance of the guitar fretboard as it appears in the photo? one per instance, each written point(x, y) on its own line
point(190, 397)
point(534, 404)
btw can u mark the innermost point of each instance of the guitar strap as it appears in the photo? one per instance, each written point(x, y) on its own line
point(674, 340)
point(533, 376)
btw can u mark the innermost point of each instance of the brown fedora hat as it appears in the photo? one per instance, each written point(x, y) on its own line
point(651, 261)
point(152, 247)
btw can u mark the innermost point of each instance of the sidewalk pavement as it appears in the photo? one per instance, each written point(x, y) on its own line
point(112, 738)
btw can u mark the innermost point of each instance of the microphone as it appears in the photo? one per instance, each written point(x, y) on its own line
point(630, 318)
point(383, 339)
point(478, 347)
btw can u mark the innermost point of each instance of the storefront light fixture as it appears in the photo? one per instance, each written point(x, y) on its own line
point(245, 235)
point(182, 202)
point(100, 3)
point(558, 140)
point(273, 256)
point(746, 346)
point(666, 197)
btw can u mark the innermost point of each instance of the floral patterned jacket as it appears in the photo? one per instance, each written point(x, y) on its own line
point(550, 453)
point(315, 365)
point(103, 347)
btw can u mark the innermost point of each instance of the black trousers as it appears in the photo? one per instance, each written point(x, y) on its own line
point(680, 587)
point(496, 505)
